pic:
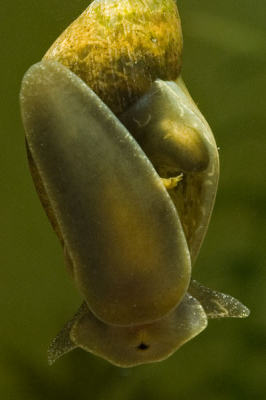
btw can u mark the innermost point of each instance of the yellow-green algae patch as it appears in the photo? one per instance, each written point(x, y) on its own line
point(119, 47)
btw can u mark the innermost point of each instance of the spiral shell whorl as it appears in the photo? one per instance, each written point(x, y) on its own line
point(119, 47)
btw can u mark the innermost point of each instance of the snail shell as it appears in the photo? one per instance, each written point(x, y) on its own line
point(127, 170)
point(120, 47)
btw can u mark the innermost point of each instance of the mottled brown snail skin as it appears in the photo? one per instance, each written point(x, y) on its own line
point(119, 47)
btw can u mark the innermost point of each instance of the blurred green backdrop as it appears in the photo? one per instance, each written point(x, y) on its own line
point(225, 70)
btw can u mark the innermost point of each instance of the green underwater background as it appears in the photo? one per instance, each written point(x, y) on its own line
point(224, 68)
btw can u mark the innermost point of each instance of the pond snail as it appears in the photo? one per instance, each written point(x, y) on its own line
point(126, 168)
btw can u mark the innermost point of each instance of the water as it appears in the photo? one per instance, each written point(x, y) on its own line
point(224, 64)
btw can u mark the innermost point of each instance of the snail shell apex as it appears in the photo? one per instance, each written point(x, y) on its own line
point(120, 47)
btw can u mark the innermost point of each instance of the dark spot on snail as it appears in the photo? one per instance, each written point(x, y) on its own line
point(143, 346)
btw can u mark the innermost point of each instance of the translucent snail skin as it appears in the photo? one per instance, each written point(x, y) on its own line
point(126, 168)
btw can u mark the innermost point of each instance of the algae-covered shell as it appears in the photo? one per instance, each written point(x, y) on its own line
point(120, 47)
point(127, 169)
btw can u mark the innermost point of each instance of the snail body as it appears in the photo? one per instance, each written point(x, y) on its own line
point(127, 170)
